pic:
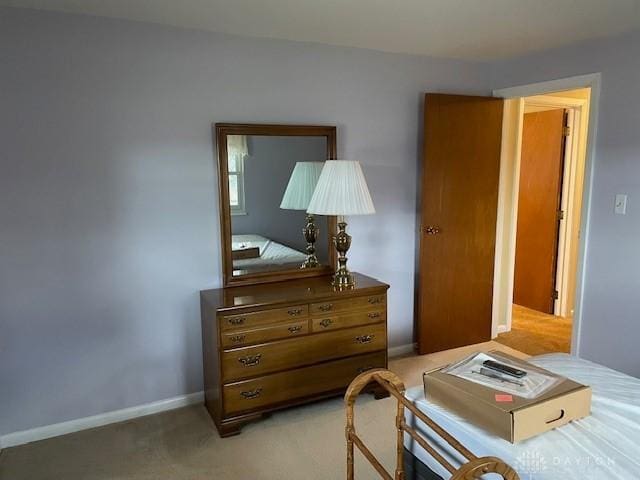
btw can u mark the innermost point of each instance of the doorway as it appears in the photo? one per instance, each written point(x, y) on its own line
point(469, 204)
point(541, 219)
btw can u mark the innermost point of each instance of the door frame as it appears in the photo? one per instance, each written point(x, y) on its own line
point(508, 195)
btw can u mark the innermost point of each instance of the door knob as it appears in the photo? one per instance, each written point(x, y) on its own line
point(432, 230)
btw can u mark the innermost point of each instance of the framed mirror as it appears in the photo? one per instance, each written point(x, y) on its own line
point(266, 232)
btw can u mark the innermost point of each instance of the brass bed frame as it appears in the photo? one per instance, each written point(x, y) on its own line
point(474, 468)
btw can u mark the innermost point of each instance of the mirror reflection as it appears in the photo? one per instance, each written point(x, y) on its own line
point(271, 179)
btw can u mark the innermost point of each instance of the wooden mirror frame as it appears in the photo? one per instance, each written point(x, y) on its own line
point(220, 132)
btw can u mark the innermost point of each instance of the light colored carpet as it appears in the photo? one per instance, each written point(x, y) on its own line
point(536, 333)
point(300, 443)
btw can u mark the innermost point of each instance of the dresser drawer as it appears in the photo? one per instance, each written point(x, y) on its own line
point(286, 354)
point(328, 323)
point(299, 383)
point(232, 339)
point(349, 304)
point(254, 319)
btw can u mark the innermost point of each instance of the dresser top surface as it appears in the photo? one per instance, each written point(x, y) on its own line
point(287, 292)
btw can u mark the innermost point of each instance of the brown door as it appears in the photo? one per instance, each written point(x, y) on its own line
point(539, 197)
point(458, 227)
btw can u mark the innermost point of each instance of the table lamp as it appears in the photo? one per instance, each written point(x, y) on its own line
point(297, 196)
point(341, 190)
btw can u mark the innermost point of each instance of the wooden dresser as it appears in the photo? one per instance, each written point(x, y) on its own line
point(274, 345)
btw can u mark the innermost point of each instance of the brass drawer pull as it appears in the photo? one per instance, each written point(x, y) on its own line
point(326, 322)
point(327, 307)
point(295, 328)
point(237, 320)
point(294, 311)
point(237, 338)
point(251, 394)
point(375, 300)
point(374, 315)
point(364, 338)
point(251, 360)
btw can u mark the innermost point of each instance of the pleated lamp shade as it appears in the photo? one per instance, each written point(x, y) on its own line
point(301, 185)
point(341, 190)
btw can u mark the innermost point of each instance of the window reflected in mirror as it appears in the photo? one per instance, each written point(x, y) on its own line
point(237, 151)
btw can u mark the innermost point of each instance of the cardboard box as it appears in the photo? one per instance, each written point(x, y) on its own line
point(508, 416)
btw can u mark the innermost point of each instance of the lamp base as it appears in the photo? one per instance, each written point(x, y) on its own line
point(343, 277)
point(310, 232)
point(310, 262)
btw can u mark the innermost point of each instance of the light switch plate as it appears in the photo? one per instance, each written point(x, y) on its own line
point(621, 204)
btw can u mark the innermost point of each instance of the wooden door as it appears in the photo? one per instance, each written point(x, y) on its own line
point(458, 226)
point(539, 197)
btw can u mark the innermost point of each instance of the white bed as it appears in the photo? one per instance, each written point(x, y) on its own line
point(271, 253)
point(603, 446)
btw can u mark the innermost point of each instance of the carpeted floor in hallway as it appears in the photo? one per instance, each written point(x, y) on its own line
point(299, 443)
point(536, 333)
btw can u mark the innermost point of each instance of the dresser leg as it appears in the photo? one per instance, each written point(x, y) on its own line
point(230, 429)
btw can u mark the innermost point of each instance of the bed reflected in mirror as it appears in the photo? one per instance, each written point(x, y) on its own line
point(268, 231)
point(266, 237)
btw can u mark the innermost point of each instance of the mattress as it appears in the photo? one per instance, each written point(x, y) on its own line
point(605, 445)
point(271, 252)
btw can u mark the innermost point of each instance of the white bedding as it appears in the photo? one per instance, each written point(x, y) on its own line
point(603, 446)
point(271, 252)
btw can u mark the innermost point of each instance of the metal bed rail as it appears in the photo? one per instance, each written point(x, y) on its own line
point(475, 466)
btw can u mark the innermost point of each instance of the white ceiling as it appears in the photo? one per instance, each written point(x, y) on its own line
point(469, 29)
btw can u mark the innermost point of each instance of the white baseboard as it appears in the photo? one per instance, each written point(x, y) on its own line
point(502, 329)
point(40, 433)
point(401, 350)
point(48, 431)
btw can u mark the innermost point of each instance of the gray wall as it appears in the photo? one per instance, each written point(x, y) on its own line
point(267, 170)
point(611, 310)
point(108, 203)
